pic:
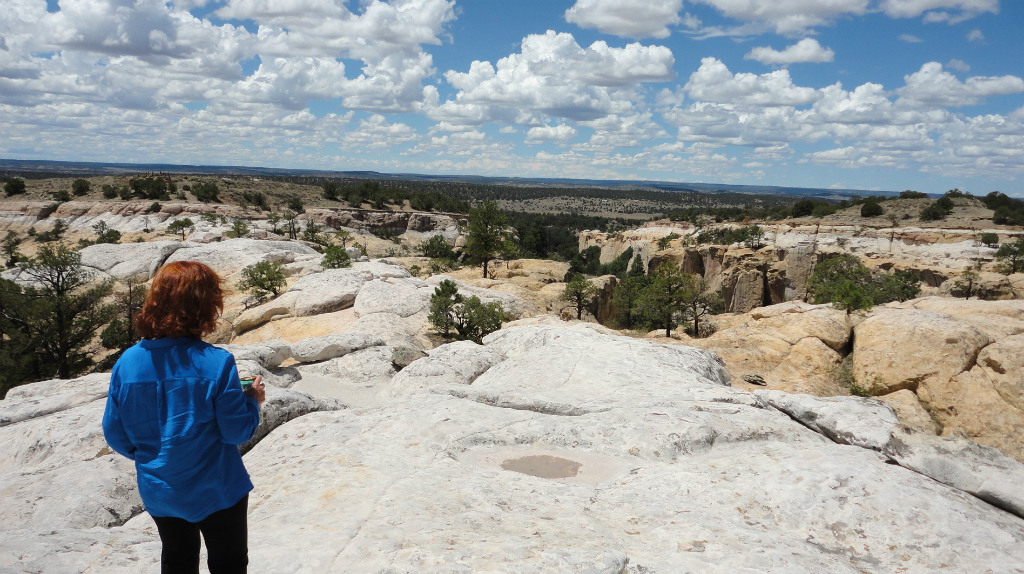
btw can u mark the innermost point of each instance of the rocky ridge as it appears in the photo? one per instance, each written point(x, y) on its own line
point(556, 447)
point(778, 271)
point(551, 448)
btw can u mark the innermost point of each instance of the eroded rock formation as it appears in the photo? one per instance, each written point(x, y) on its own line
point(551, 448)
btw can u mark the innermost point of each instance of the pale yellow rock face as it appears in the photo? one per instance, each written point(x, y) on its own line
point(294, 329)
point(987, 402)
point(794, 346)
point(910, 410)
point(964, 359)
point(905, 348)
point(536, 281)
point(969, 404)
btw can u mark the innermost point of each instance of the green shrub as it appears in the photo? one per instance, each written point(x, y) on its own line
point(871, 209)
point(909, 194)
point(80, 186)
point(205, 191)
point(1011, 256)
point(238, 229)
point(437, 248)
point(14, 186)
point(335, 257)
point(106, 235)
point(256, 199)
point(181, 226)
point(933, 212)
point(846, 283)
point(263, 279)
point(455, 316)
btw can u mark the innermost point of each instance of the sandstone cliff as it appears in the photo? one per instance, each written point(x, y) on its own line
point(778, 271)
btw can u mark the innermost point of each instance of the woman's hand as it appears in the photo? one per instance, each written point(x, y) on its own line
point(257, 390)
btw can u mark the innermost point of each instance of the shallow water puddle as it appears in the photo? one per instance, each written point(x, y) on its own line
point(543, 466)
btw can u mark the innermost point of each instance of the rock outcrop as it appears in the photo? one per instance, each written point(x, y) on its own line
point(550, 448)
point(779, 271)
point(963, 359)
point(794, 346)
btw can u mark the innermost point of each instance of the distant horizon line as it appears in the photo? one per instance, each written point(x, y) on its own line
point(37, 166)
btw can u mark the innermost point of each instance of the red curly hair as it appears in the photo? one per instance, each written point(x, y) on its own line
point(184, 300)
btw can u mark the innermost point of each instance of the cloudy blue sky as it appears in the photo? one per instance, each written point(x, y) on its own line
point(869, 94)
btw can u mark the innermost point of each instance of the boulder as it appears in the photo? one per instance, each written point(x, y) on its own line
point(905, 348)
point(403, 297)
point(985, 403)
point(127, 260)
point(332, 346)
point(910, 411)
point(965, 465)
point(793, 346)
point(846, 420)
point(230, 256)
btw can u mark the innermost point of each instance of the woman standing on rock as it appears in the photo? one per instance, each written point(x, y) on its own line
point(176, 407)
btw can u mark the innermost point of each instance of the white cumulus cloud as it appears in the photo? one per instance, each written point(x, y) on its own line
point(933, 86)
point(715, 83)
point(939, 10)
point(553, 76)
point(627, 18)
point(789, 16)
point(806, 50)
point(542, 134)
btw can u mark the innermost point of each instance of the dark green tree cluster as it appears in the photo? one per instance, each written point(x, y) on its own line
point(666, 299)
point(487, 235)
point(357, 193)
point(911, 194)
point(14, 186)
point(455, 316)
point(329, 190)
point(1011, 256)
point(750, 235)
point(152, 188)
point(938, 209)
point(847, 283)
point(120, 333)
point(871, 209)
point(555, 235)
point(206, 191)
point(437, 248)
point(438, 201)
point(256, 199)
point(45, 327)
point(588, 262)
point(104, 234)
point(813, 208)
point(1008, 211)
point(674, 298)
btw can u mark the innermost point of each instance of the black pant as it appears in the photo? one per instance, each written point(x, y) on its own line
point(226, 536)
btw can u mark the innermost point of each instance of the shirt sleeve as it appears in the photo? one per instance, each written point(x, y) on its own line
point(237, 415)
point(113, 425)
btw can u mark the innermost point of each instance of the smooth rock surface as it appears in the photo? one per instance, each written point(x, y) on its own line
point(552, 448)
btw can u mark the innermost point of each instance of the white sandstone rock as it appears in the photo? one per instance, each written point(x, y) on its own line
point(847, 420)
point(126, 260)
